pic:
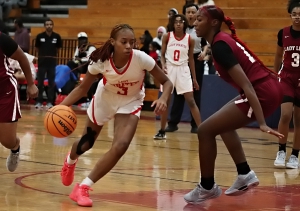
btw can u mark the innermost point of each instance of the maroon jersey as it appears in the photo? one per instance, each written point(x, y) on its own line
point(252, 68)
point(9, 99)
point(6, 72)
point(291, 48)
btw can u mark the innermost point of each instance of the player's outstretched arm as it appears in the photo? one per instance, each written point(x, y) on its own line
point(80, 90)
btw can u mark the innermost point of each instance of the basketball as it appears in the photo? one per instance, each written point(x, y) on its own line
point(60, 121)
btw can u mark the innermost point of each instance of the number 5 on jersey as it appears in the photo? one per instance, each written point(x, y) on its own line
point(176, 55)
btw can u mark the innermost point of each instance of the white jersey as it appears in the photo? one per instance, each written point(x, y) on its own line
point(129, 79)
point(177, 52)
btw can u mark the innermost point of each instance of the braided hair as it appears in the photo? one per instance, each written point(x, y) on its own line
point(214, 12)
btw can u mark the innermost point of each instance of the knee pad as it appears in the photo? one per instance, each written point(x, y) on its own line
point(89, 137)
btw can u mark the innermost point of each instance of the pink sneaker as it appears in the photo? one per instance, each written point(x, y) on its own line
point(67, 173)
point(80, 194)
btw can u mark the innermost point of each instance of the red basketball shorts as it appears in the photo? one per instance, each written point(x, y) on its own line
point(9, 101)
point(270, 95)
point(290, 83)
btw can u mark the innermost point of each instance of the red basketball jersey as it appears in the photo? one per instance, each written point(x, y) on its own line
point(291, 48)
point(252, 68)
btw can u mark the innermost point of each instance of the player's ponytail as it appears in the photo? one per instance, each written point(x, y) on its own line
point(231, 27)
point(104, 52)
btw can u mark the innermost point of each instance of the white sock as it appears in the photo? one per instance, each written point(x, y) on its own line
point(70, 161)
point(87, 181)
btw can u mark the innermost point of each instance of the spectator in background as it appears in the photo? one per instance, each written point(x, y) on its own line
point(171, 13)
point(160, 32)
point(47, 45)
point(146, 39)
point(82, 53)
point(187, 2)
point(22, 37)
point(149, 79)
point(202, 3)
point(5, 8)
point(19, 74)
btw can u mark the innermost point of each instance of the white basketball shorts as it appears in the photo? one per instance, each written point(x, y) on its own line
point(181, 78)
point(105, 105)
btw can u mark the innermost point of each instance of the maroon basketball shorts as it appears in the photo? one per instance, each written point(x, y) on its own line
point(9, 101)
point(269, 94)
point(290, 84)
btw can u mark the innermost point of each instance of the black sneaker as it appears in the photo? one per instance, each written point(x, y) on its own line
point(161, 135)
point(171, 128)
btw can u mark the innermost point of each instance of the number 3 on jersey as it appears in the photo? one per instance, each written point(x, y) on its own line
point(124, 91)
point(176, 55)
point(296, 58)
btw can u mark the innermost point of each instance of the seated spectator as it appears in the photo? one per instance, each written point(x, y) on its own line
point(82, 53)
point(18, 71)
point(22, 36)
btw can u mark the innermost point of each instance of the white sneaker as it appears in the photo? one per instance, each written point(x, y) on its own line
point(280, 159)
point(293, 162)
point(12, 161)
point(199, 194)
point(242, 184)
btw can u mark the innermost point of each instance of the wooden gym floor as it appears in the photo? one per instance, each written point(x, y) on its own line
point(153, 175)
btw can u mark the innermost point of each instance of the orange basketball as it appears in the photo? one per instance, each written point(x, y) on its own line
point(60, 121)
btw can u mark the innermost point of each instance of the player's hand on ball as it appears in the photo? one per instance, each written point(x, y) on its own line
point(160, 106)
point(32, 91)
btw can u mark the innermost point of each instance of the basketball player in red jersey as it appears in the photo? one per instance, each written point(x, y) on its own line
point(119, 95)
point(289, 45)
point(177, 59)
point(9, 98)
point(260, 96)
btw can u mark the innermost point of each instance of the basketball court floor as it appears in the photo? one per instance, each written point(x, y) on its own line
point(153, 175)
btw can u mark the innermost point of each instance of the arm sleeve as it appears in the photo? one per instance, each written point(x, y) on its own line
point(223, 55)
point(279, 38)
point(7, 45)
point(146, 61)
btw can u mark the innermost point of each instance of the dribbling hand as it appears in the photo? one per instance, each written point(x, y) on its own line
point(160, 106)
point(266, 129)
point(32, 91)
